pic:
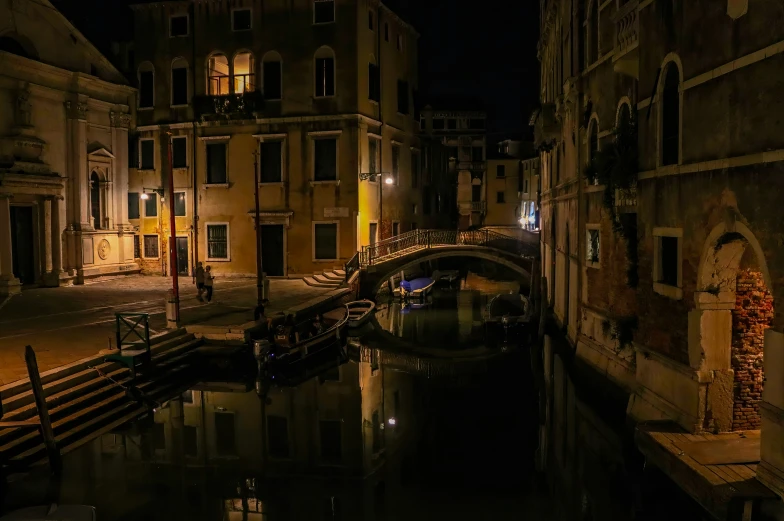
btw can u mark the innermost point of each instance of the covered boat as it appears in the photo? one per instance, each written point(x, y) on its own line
point(446, 276)
point(414, 289)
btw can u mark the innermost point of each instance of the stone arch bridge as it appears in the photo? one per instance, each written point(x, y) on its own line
point(378, 262)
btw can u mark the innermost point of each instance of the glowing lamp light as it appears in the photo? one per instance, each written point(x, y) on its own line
point(392, 422)
point(144, 196)
point(389, 181)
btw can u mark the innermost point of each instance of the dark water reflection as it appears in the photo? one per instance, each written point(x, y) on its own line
point(376, 439)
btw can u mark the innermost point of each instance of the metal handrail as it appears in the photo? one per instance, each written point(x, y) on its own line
point(425, 239)
point(133, 322)
point(352, 265)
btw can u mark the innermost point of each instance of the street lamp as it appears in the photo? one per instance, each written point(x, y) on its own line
point(388, 179)
point(147, 191)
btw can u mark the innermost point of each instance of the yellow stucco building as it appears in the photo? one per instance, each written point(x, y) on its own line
point(315, 114)
point(512, 185)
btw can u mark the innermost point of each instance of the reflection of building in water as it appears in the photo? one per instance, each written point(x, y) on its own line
point(222, 455)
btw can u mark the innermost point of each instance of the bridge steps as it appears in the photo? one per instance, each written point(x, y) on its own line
point(328, 279)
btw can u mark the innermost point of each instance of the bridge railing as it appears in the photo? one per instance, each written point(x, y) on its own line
point(424, 239)
point(352, 265)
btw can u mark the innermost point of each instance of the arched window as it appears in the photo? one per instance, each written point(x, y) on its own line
point(624, 116)
point(244, 73)
point(179, 82)
point(325, 72)
point(671, 115)
point(218, 75)
point(272, 75)
point(146, 77)
point(95, 200)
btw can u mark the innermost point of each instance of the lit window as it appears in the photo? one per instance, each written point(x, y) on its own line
point(244, 77)
point(218, 74)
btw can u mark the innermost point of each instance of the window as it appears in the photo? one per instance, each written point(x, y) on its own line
point(395, 229)
point(151, 206)
point(331, 442)
point(395, 163)
point(272, 71)
point(670, 122)
point(323, 11)
point(244, 75)
point(477, 154)
point(399, 42)
point(325, 241)
point(592, 245)
point(146, 86)
point(136, 247)
point(218, 241)
point(373, 156)
point(414, 209)
point(438, 123)
point(271, 161)
point(95, 200)
point(374, 82)
point(402, 97)
point(133, 205)
point(179, 152)
point(178, 26)
point(325, 73)
point(414, 169)
point(451, 124)
point(476, 193)
point(371, 21)
point(499, 197)
point(378, 441)
point(190, 440)
point(452, 152)
point(225, 434)
point(325, 164)
point(624, 116)
point(241, 20)
point(525, 186)
point(151, 246)
point(179, 204)
point(179, 78)
point(278, 436)
point(218, 75)
point(216, 163)
point(386, 32)
point(667, 262)
point(500, 171)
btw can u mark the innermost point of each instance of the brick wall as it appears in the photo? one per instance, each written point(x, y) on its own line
point(753, 314)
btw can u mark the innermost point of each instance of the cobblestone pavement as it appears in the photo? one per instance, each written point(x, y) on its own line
point(67, 324)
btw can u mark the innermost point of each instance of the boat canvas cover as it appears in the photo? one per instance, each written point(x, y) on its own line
point(404, 284)
point(417, 284)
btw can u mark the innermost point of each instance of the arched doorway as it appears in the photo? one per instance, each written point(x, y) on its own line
point(95, 200)
point(735, 307)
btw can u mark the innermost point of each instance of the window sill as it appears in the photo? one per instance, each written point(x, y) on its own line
point(145, 169)
point(209, 259)
point(594, 265)
point(180, 167)
point(150, 258)
point(335, 182)
point(274, 99)
point(324, 23)
point(150, 217)
point(180, 106)
point(179, 35)
point(215, 185)
point(141, 109)
point(325, 260)
point(271, 183)
point(331, 96)
point(402, 114)
point(373, 101)
point(672, 292)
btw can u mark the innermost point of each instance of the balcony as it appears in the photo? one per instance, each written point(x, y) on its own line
point(230, 106)
point(627, 29)
point(626, 198)
point(467, 207)
point(547, 129)
point(473, 166)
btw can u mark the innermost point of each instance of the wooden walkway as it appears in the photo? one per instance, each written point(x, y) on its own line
point(717, 470)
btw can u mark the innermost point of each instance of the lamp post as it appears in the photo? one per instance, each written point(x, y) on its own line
point(259, 264)
point(365, 176)
point(173, 307)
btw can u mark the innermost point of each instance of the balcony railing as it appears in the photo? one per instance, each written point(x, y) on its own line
point(474, 166)
point(626, 197)
point(627, 30)
point(473, 206)
point(231, 106)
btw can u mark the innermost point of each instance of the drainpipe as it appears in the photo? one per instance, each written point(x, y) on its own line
point(195, 191)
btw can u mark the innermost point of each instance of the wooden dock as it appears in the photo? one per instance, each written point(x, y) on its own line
point(717, 470)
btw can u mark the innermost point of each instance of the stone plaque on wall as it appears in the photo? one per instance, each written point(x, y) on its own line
point(340, 211)
point(88, 256)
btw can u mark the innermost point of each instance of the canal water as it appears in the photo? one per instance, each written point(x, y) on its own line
point(384, 435)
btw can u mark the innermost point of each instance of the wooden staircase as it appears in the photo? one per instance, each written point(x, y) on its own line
point(91, 397)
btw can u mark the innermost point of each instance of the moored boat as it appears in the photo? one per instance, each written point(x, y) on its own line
point(446, 276)
point(334, 324)
point(508, 313)
point(414, 289)
point(359, 312)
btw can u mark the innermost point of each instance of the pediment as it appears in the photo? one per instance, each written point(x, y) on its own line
point(96, 149)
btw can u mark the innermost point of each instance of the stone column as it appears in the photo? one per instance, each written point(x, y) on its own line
point(78, 176)
point(107, 187)
point(120, 123)
point(57, 238)
point(47, 222)
point(9, 285)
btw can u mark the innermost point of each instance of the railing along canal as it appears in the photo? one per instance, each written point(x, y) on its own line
point(424, 239)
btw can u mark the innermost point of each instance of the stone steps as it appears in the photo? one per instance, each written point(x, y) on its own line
point(328, 279)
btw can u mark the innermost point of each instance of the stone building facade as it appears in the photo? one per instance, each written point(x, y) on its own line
point(64, 117)
point(463, 134)
point(314, 114)
point(512, 185)
point(665, 275)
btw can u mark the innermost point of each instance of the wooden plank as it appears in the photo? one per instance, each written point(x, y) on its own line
point(21, 424)
point(724, 452)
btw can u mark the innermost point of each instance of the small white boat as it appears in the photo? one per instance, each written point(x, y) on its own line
point(359, 312)
point(414, 289)
point(446, 275)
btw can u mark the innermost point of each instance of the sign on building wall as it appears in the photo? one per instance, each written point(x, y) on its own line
point(340, 211)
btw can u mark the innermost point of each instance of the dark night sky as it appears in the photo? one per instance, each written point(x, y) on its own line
point(484, 51)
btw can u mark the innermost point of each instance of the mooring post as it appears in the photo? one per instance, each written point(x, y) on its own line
point(43, 412)
point(543, 306)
